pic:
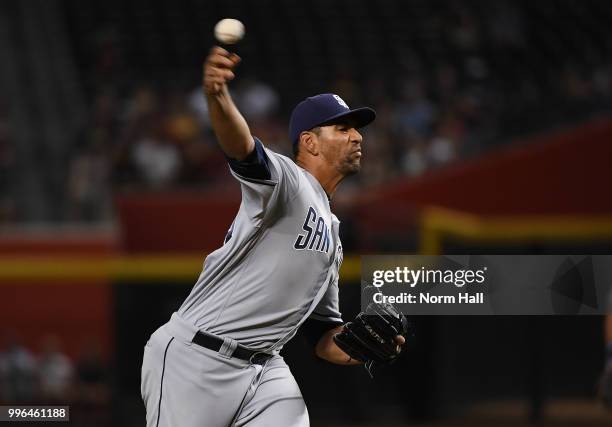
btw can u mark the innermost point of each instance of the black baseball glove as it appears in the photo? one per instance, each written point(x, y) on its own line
point(370, 338)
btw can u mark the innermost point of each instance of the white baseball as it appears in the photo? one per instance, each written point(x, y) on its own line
point(229, 31)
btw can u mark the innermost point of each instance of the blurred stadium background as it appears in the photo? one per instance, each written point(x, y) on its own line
point(493, 135)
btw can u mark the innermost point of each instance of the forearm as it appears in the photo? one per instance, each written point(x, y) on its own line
point(608, 329)
point(328, 350)
point(231, 129)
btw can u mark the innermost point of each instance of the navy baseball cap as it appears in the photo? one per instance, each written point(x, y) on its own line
point(325, 108)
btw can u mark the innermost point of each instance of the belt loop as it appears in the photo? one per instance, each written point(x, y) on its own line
point(228, 347)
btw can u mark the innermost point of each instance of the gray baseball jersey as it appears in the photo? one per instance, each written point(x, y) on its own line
point(280, 252)
point(278, 265)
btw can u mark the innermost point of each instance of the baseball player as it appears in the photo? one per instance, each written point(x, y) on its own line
point(216, 362)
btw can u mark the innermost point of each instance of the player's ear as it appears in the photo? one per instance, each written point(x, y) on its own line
point(309, 142)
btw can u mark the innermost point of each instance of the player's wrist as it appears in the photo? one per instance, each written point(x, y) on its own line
point(215, 92)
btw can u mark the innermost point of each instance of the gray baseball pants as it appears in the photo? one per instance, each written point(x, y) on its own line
point(186, 385)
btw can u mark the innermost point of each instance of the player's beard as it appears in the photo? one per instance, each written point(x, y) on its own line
point(350, 166)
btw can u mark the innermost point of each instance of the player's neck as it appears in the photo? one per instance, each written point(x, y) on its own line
point(328, 178)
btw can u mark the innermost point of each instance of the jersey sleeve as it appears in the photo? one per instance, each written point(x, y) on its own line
point(266, 179)
point(328, 309)
point(255, 167)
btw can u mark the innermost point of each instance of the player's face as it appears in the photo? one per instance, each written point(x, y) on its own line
point(340, 145)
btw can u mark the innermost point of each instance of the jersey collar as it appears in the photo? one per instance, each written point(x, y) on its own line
point(316, 184)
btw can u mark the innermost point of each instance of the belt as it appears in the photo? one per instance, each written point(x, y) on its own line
point(214, 343)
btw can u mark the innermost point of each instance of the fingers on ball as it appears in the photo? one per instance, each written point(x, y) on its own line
point(220, 61)
point(235, 58)
point(219, 51)
point(218, 75)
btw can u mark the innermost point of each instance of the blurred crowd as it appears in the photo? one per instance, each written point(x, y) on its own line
point(50, 377)
point(434, 111)
point(161, 141)
point(447, 82)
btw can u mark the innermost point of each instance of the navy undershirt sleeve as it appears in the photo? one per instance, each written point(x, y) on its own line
point(255, 165)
